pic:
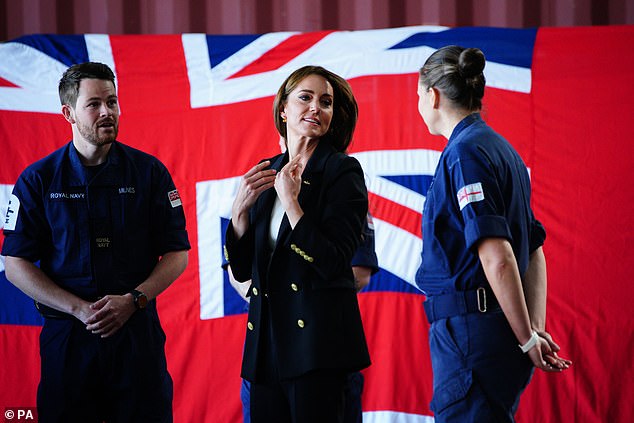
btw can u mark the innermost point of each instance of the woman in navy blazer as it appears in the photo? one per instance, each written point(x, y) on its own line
point(295, 224)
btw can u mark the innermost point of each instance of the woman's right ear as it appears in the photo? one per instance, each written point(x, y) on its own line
point(434, 96)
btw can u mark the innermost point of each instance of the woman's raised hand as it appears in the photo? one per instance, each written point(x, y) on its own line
point(257, 180)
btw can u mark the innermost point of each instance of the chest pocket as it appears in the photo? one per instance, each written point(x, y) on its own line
point(435, 228)
point(67, 214)
point(131, 220)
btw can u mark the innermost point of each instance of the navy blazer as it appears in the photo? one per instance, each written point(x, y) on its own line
point(306, 279)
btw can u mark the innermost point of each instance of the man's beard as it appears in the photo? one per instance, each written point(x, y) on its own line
point(92, 135)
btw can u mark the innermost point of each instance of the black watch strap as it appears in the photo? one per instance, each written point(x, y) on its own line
point(140, 299)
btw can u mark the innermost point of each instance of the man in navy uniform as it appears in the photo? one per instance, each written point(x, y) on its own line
point(107, 226)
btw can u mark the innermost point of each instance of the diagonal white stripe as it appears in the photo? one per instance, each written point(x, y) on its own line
point(395, 192)
point(350, 54)
point(37, 75)
point(399, 162)
point(402, 261)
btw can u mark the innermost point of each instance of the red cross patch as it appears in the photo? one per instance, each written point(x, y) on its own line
point(470, 194)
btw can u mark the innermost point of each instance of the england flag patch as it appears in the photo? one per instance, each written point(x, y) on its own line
point(470, 194)
point(175, 198)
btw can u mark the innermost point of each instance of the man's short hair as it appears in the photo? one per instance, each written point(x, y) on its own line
point(69, 84)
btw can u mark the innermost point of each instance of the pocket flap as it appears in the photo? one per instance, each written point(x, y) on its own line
point(455, 389)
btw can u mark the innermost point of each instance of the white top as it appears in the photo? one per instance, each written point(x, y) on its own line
point(277, 214)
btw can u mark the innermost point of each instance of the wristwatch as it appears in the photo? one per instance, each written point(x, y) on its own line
point(140, 299)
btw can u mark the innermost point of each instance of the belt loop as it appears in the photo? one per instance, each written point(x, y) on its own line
point(481, 295)
point(461, 300)
point(432, 309)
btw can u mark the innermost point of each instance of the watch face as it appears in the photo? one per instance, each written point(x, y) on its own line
point(142, 301)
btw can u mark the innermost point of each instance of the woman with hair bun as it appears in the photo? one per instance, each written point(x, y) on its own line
point(483, 268)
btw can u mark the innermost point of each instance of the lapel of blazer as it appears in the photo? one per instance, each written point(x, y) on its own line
point(312, 179)
point(263, 209)
point(264, 204)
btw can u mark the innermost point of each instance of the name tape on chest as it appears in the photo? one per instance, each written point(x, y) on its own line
point(81, 195)
point(67, 196)
point(11, 217)
point(175, 198)
point(470, 194)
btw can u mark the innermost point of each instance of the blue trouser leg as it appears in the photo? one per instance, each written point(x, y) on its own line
point(479, 372)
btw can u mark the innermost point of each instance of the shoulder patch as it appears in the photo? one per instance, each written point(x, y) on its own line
point(175, 198)
point(11, 217)
point(470, 194)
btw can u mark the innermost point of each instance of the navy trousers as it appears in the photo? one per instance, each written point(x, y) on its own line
point(316, 397)
point(479, 371)
point(86, 379)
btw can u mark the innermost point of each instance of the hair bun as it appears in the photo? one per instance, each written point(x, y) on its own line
point(471, 62)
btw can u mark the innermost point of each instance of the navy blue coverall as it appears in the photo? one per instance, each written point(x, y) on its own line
point(97, 231)
point(481, 189)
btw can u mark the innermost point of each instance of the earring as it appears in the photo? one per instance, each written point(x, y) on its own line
point(284, 119)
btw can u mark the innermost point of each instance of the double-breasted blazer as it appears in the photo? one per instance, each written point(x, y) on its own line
point(302, 294)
